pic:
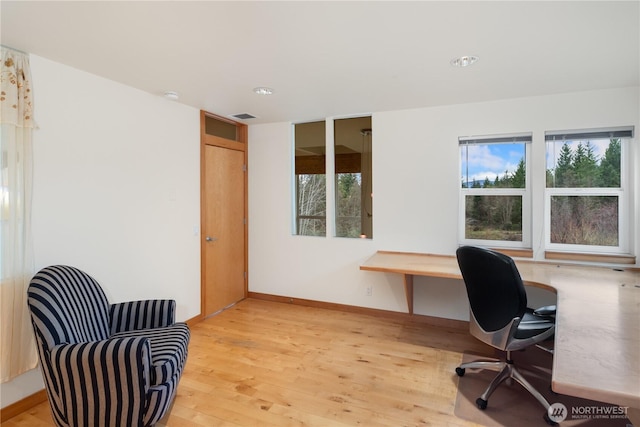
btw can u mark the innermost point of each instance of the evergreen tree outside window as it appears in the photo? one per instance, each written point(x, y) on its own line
point(586, 208)
point(495, 191)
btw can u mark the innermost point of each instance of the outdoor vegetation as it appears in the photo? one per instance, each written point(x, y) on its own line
point(312, 205)
point(348, 196)
point(590, 219)
point(496, 217)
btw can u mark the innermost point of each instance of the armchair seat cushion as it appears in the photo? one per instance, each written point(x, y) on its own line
point(168, 350)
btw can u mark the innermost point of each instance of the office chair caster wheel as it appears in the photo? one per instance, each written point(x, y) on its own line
point(460, 372)
point(549, 420)
point(481, 403)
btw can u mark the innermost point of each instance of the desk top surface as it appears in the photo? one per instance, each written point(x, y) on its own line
point(597, 341)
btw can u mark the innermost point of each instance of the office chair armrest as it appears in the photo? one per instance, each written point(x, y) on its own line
point(146, 314)
point(499, 338)
point(547, 310)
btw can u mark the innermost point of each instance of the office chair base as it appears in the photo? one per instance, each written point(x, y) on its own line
point(549, 420)
point(481, 403)
point(506, 370)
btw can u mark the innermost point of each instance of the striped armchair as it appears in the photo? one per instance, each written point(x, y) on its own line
point(104, 364)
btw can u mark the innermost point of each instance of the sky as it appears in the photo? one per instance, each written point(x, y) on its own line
point(491, 160)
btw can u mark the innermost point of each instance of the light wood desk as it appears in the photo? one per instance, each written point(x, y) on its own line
point(597, 340)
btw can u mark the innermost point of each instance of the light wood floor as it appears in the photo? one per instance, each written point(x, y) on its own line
point(263, 363)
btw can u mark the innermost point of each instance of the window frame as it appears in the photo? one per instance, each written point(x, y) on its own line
point(622, 192)
point(295, 206)
point(525, 193)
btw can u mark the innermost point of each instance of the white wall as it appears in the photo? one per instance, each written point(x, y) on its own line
point(116, 191)
point(117, 186)
point(415, 185)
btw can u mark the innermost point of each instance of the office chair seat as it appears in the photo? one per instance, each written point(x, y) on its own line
point(499, 317)
point(532, 325)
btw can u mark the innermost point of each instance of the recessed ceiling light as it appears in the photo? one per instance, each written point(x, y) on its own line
point(173, 96)
point(464, 61)
point(261, 90)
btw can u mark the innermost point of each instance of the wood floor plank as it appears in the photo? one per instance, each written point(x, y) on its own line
point(263, 363)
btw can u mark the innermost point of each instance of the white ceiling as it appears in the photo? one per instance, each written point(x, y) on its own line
point(335, 58)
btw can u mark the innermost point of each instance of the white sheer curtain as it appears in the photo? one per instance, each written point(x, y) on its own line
point(17, 347)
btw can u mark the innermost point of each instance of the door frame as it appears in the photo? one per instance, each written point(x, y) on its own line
point(240, 144)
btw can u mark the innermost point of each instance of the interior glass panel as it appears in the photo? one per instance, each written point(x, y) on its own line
point(353, 179)
point(220, 128)
point(311, 182)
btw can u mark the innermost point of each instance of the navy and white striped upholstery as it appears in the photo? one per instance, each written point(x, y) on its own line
point(104, 365)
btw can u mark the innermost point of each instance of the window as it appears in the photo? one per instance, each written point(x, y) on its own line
point(221, 128)
point(310, 179)
point(353, 164)
point(353, 213)
point(586, 208)
point(495, 195)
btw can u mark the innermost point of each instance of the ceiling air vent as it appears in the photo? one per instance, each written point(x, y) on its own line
point(243, 116)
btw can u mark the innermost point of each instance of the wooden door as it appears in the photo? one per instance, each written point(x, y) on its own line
point(223, 227)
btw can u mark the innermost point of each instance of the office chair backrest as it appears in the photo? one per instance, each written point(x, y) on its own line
point(494, 286)
point(67, 306)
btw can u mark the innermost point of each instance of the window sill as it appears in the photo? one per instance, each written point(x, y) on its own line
point(600, 258)
point(516, 253)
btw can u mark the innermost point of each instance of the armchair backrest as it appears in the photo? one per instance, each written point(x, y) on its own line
point(494, 287)
point(67, 306)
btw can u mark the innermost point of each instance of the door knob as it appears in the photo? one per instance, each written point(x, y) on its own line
point(210, 239)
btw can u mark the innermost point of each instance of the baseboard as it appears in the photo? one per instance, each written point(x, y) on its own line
point(22, 405)
point(194, 320)
point(396, 315)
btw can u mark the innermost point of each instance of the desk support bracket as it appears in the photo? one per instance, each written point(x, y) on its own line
point(408, 291)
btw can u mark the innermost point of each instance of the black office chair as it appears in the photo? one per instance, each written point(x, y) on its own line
point(500, 316)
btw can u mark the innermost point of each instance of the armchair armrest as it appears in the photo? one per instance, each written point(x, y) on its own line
point(103, 382)
point(147, 314)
